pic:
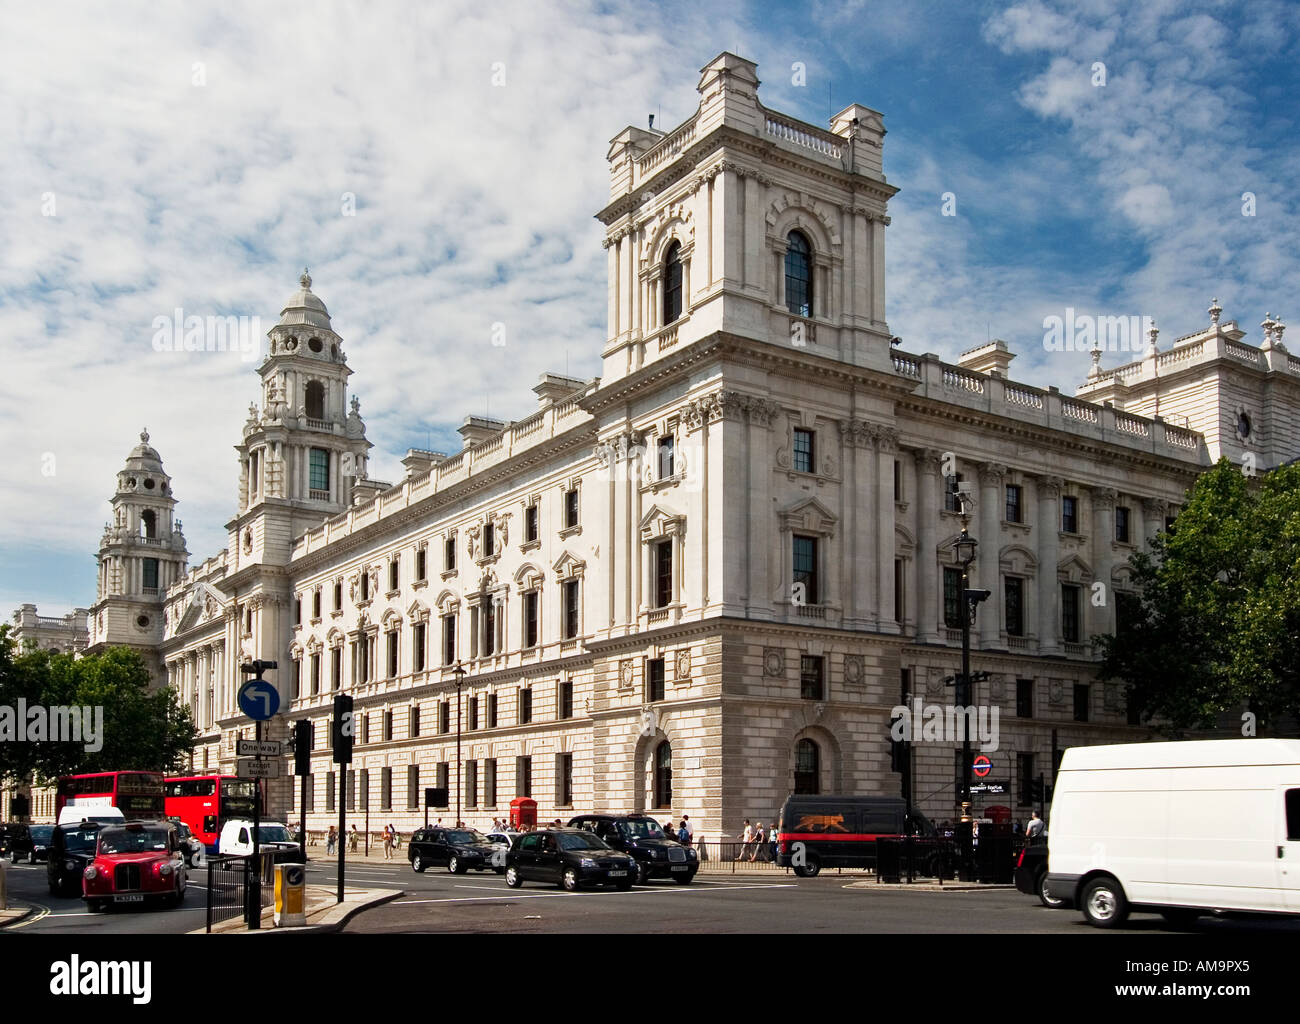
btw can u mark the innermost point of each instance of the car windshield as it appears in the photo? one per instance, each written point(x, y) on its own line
point(80, 839)
point(581, 841)
point(274, 834)
point(641, 828)
point(42, 833)
point(468, 835)
point(124, 840)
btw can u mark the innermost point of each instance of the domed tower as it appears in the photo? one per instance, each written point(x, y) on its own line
point(303, 451)
point(141, 554)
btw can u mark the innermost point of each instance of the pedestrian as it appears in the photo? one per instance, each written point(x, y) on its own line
point(389, 838)
point(683, 836)
point(771, 841)
point(1034, 828)
point(690, 829)
point(760, 840)
point(331, 840)
point(353, 838)
point(746, 837)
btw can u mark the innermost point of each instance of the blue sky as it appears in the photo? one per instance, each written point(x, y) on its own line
point(198, 158)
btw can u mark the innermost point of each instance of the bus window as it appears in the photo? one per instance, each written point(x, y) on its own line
point(209, 823)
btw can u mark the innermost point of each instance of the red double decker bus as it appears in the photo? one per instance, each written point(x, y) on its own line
point(136, 794)
point(206, 802)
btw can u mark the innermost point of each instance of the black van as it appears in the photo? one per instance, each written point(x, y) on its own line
point(816, 832)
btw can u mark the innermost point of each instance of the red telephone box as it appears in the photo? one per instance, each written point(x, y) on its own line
point(523, 813)
point(1001, 815)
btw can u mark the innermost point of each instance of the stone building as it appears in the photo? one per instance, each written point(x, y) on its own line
point(702, 580)
point(61, 634)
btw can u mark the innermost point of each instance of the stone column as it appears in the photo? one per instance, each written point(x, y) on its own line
point(927, 571)
point(1049, 555)
point(886, 448)
point(866, 479)
point(759, 517)
point(1154, 511)
point(987, 567)
point(859, 542)
point(1102, 618)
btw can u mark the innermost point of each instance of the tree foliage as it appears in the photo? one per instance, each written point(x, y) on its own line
point(142, 729)
point(1217, 627)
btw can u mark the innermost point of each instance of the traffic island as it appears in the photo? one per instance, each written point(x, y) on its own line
point(16, 911)
point(930, 886)
point(324, 912)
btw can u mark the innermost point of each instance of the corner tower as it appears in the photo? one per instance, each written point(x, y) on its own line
point(142, 553)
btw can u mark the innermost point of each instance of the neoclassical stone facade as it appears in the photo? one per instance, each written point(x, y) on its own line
point(703, 579)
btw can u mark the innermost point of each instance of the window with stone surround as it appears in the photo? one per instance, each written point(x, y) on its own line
point(672, 285)
point(798, 275)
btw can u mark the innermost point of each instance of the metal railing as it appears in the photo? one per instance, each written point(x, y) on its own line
point(230, 886)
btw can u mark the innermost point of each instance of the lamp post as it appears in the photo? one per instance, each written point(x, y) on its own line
point(964, 548)
point(459, 673)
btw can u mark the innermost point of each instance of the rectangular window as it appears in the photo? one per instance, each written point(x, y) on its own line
point(524, 776)
point(811, 682)
point(352, 788)
point(449, 553)
point(150, 574)
point(412, 787)
point(805, 569)
point(365, 586)
point(388, 726)
point(315, 604)
point(414, 720)
point(473, 713)
point(449, 639)
point(444, 779)
point(417, 647)
point(952, 598)
point(338, 595)
point(1069, 613)
point(570, 595)
point(490, 782)
point(471, 783)
point(1025, 778)
point(900, 604)
point(1121, 524)
point(336, 668)
point(444, 717)
point(392, 575)
point(311, 793)
point(530, 619)
point(386, 789)
point(1081, 695)
point(297, 611)
point(665, 457)
point(564, 780)
point(1024, 698)
point(565, 701)
point(655, 679)
point(898, 480)
point(331, 788)
point(1069, 514)
point(489, 539)
point(489, 627)
point(804, 453)
point(663, 557)
point(491, 710)
point(361, 660)
point(319, 473)
point(525, 707)
point(571, 508)
point(315, 673)
point(392, 654)
point(1015, 605)
point(421, 563)
point(1013, 504)
point(365, 728)
point(530, 524)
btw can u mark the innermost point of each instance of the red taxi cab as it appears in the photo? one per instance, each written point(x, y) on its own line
point(137, 862)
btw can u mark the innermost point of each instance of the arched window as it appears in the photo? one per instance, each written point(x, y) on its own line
point(672, 284)
point(798, 275)
point(315, 400)
point(148, 523)
point(807, 767)
point(664, 774)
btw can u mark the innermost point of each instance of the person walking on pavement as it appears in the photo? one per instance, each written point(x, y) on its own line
point(1034, 828)
point(353, 838)
point(760, 840)
point(746, 837)
point(388, 842)
point(331, 840)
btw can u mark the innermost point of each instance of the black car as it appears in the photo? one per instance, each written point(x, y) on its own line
point(30, 842)
point(458, 848)
point(657, 855)
point(568, 857)
point(7, 831)
point(1031, 872)
point(72, 850)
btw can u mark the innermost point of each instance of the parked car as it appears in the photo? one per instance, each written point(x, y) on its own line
point(657, 855)
point(1031, 872)
point(236, 840)
point(190, 846)
point(30, 842)
point(568, 857)
point(6, 831)
point(72, 848)
point(458, 848)
point(135, 862)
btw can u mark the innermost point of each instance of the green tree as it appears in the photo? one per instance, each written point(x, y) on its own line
point(1217, 623)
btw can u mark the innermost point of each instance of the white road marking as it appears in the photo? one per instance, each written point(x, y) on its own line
point(514, 895)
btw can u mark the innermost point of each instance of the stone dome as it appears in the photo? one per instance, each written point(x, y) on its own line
point(304, 308)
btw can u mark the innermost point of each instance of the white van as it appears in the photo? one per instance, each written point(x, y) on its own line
point(237, 840)
point(75, 814)
point(1180, 829)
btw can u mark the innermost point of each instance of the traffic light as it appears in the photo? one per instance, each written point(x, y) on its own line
point(899, 752)
point(343, 729)
point(1036, 791)
point(302, 747)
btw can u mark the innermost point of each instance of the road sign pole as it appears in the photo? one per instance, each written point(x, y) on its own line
point(255, 910)
point(343, 835)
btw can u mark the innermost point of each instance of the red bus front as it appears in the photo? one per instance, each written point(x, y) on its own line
point(206, 802)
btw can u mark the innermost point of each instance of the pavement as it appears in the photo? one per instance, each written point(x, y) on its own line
point(324, 912)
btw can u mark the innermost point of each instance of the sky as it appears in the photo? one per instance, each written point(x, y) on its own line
point(438, 168)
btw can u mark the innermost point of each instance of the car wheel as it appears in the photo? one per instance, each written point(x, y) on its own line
point(512, 878)
point(455, 866)
point(570, 880)
point(1104, 904)
point(810, 869)
point(1051, 902)
point(417, 862)
point(1180, 917)
point(642, 876)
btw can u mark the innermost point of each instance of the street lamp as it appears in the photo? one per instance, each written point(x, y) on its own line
point(459, 673)
point(964, 548)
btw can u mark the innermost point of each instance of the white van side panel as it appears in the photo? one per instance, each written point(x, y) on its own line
point(1100, 821)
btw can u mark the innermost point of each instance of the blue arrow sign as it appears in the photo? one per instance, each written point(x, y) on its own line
point(259, 700)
